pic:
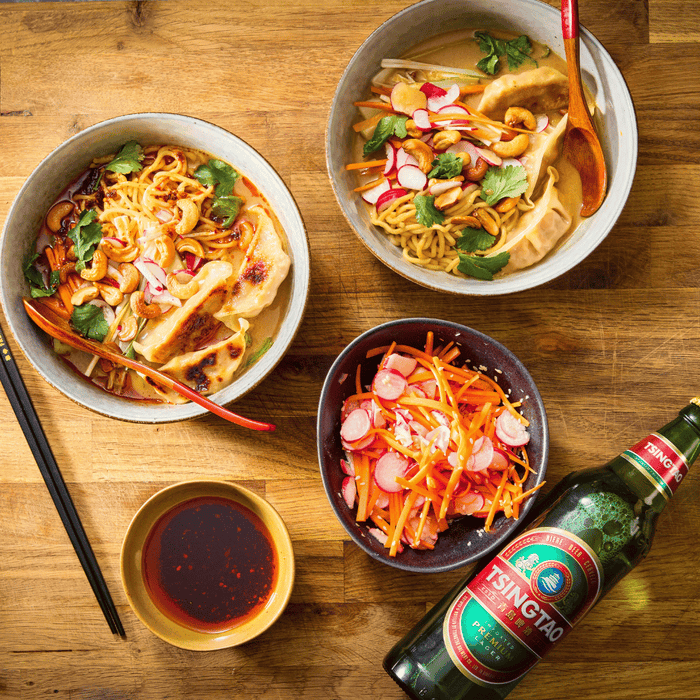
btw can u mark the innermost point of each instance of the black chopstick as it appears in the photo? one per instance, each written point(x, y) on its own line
point(31, 427)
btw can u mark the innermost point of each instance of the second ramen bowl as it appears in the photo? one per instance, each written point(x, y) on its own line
point(73, 157)
point(430, 18)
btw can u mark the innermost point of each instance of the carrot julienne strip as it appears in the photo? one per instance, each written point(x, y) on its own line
point(365, 164)
point(372, 121)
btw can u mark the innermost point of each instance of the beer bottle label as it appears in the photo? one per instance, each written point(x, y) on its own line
point(524, 601)
point(660, 462)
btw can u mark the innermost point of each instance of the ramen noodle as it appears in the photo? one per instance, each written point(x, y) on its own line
point(460, 154)
point(169, 256)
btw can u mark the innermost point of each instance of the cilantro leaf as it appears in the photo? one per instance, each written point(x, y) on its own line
point(516, 51)
point(228, 207)
point(128, 160)
point(509, 181)
point(89, 321)
point(267, 344)
point(388, 126)
point(37, 288)
point(218, 173)
point(482, 268)
point(473, 239)
point(446, 165)
point(426, 213)
point(86, 235)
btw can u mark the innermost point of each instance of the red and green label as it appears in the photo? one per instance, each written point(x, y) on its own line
point(660, 462)
point(522, 603)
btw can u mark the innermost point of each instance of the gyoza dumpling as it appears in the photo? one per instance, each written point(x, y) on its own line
point(545, 148)
point(539, 90)
point(538, 230)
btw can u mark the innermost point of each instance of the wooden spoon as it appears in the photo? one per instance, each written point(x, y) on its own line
point(58, 328)
point(581, 143)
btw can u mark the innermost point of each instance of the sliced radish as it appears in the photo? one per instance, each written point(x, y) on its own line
point(407, 99)
point(542, 123)
point(387, 468)
point(489, 156)
point(436, 103)
point(390, 158)
point(347, 466)
point(192, 261)
point(163, 215)
point(371, 196)
point(468, 503)
point(349, 491)
point(429, 386)
point(359, 444)
point(165, 297)
point(440, 437)
point(402, 431)
point(378, 534)
point(412, 176)
point(511, 431)
point(348, 408)
point(404, 158)
point(356, 425)
point(444, 186)
point(421, 119)
point(500, 460)
point(511, 161)
point(401, 363)
point(465, 147)
point(418, 428)
point(153, 273)
point(432, 90)
point(481, 455)
point(441, 417)
point(115, 241)
point(453, 109)
point(382, 500)
point(386, 198)
point(388, 384)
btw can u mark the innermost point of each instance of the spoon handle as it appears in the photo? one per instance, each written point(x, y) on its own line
point(569, 18)
point(578, 109)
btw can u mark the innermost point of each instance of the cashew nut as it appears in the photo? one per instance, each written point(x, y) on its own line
point(470, 221)
point(520, 115)
point(165, 250)
point(447, 199)
point(507, 204)
point(57, 213)
point(141, 308)
point(130, 278)
point(128, 329)
point(190, 216)
point(421, 152)
point(98, 269)
point(478, 171)
point(179, 289)
point(117, 253)
point(189, 245)
point(83, 295)
point(412, 129)
point(109, 293)
point(444, 139)
point(65, 270)
point(487, 221)
point(511, 149)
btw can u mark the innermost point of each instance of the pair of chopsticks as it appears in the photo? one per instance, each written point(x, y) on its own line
point(31, 427)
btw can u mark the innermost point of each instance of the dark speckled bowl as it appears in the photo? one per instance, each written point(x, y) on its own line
point(465, 541)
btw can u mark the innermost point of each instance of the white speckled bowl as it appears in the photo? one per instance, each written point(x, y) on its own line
point(539, 21)
point(65, 163)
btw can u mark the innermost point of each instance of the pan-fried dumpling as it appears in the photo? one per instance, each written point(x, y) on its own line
point(544, 149)
point(262, 271)
point(186, 328)
point(209, 369)
point(538, 230)
point(539, 90)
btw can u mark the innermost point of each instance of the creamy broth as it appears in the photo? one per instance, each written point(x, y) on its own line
point(546, 214)
point(234, 313)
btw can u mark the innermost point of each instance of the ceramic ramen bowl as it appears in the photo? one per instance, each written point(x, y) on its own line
point(465, 541)
point(170, 627)
point(540, 22)
point(73, 157)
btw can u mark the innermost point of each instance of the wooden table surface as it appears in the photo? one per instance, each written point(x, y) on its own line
point(614, 347)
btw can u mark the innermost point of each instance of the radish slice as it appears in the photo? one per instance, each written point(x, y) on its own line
point(382, 500)
point(371, 196)
point(389, 384)
point(436, 103)
point(465, 147)
point(388, 467)
point(402, 432)
point(163, 215)
point(359, 445)
point(500, 460)
point(403, 158)
point(440, 187)
point(386, 198)
point(511, 431)
point(422, 120)
point(468, 503)
point(431, 90)
point(390, 158)
point(153, 273)
point(401, 363)
point(356, 425)
point(429, 386)
point(412, 176)
point(440, 437)
point(349, 491)
point(542, 122)
point(347, 466)
point(115, 241)
point(441, 417)
point(407, 99)
point(192, 261)
point(489, 156)
point(511, 161)
point(418, 428)
point(481, 456)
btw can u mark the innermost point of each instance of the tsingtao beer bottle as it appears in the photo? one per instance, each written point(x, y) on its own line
point(593, 528)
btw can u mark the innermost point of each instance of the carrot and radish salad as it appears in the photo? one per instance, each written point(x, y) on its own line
point(429, 441)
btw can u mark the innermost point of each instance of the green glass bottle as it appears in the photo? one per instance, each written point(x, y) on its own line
point(594, 527)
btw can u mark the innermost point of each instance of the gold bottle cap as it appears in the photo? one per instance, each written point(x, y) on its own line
point(695, 400)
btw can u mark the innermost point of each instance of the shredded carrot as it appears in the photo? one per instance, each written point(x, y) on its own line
point(50, 257)
point(365, 164)
point(372, 121)
point(375, 105)
point(471, 89)
point(65, 293)
point(379, 90)
point(370, 185)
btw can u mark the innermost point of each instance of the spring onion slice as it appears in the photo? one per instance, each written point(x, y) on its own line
point(417, 65)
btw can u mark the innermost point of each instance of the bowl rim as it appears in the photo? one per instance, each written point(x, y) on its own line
point(299, 278)
point(153, 509)
point(535, 397)
point(538, 274)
